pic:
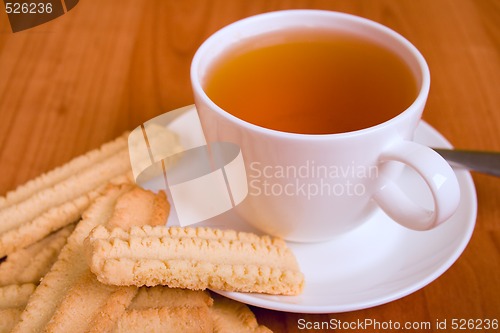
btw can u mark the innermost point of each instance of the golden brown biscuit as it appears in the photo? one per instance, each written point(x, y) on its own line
point(57, 198)
point(9, 318)
point(140, 207)
point(30, 264)
point(90, 306)
point(15, 295)
point(166, 319)
point(77, 185)
point(70, 299)
point(159, 296)
point(57, 206)
point(31, 231)
point(13, 299)
point(69, 267)
point(193, 258)
point(162, 309)
point(106, 319)
point(231, 316)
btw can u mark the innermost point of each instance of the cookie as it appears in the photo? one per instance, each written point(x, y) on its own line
point(58, 198)
point(13, 299)
point(163, 309)
point(231, 316)
point(193, 258)
point(30, 264)
point(69, 267)
point(69, 297)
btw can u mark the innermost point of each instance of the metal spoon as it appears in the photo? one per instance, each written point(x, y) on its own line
point(480, 161)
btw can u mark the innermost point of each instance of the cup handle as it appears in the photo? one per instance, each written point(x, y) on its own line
point(439, 177)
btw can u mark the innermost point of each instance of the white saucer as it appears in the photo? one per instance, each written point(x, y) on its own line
point(376, 263)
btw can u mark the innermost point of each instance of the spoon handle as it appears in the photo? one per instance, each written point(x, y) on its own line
point(480, 161)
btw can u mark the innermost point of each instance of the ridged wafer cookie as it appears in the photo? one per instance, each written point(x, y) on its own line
point(58, 198)
point(76, 185)
point(90, 306)
point(70, 265)
point(160, 296)
point(193, 258)
point(106, 318)
point(30, 264)
point(31, 231)
point(54, 207)
point(78, 302)
point(13, 299)
point(139, 207)
point(165, 319)
point(15, 295)
point(230, 316)
point(9, 317)
point(162, 309)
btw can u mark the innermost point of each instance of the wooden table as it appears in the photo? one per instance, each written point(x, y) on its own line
point(107, 66)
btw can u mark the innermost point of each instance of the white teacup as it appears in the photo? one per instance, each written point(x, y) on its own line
point(358, 167)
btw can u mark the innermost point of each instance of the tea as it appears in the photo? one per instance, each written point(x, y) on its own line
point(315, 83)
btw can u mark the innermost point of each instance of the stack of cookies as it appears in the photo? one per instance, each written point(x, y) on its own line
point(86, 250)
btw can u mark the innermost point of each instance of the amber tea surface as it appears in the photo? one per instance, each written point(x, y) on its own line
point(312, 84)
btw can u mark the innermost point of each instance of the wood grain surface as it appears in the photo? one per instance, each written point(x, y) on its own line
point(107, 66)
